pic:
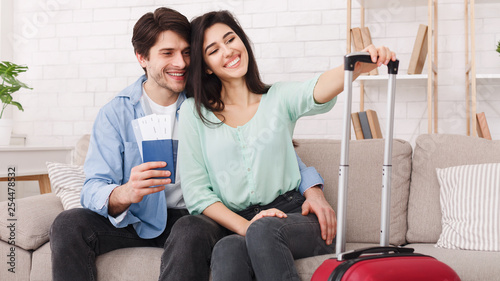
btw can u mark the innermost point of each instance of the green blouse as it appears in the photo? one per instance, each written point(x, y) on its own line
point(250, 164)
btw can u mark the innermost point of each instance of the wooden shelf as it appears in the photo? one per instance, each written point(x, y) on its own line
point(414, 80)
point(430, 79)
point(471, 76)
point(495, 76)
point(375, 4)
point(406, 77)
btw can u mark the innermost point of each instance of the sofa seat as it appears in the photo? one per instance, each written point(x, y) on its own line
point(469, 265)
point(307, 266)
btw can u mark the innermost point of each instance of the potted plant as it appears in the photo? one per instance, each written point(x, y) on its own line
point(10, 84)
point(498, 47)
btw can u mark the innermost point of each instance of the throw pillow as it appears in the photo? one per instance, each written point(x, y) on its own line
point(470, 200)
point(67, 182)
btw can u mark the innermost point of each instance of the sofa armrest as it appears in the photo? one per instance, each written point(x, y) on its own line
point(34, 216)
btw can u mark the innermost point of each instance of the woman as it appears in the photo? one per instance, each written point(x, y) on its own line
point(237, 159)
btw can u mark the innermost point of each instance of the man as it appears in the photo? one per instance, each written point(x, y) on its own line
point(127, 204)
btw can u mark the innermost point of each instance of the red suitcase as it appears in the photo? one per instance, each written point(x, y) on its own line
point(393, 264)
point(384, 262)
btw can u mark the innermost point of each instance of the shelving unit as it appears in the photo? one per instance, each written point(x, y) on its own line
point(471, 76)
point(430, 77)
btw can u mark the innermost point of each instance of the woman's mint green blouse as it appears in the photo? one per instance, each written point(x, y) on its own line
point(248, 165)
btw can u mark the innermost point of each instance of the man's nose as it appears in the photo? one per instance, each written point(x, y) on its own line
point(179, 60)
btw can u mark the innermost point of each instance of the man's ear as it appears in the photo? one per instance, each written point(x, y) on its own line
point(141, 59)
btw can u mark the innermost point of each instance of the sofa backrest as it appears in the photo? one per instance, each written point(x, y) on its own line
point(439, 151)
point(365, 182)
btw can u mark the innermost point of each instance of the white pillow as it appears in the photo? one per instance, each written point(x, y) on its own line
point(67, 182)
point(470, 206)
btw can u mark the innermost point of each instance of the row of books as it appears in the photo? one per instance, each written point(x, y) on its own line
point(366, 125)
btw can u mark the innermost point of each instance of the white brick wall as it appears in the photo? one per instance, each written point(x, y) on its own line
point(80, 56)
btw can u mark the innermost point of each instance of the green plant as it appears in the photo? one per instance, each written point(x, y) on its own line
point(9, 71)
point(498, 47)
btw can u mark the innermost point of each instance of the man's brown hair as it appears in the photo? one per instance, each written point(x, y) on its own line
point(149, 26)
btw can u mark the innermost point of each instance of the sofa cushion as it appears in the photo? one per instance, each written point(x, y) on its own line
point(365, 182)
point(67, 182)
point(439, 151)
point(21, 264)
point(306, 267)
point(470, 204)
point(35, 215)
point(41, 264)
point(144, 260)
point(469, 265)
point(139, 263)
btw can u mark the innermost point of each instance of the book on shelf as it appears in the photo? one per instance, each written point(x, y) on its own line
point(357, 39)
point(365, 126)
point(357, 126)
point(374, 124)
point(367, 41)
point(483, 131)
point(419, 53)
point(361, 38)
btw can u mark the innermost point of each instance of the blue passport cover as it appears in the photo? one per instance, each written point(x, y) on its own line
point(160, 150)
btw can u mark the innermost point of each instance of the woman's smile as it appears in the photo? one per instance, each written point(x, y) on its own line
point(234, 62)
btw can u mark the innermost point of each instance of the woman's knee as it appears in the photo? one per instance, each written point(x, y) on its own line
point(265, 229)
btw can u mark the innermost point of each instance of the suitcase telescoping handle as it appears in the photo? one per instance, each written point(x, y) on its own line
point(349, 63)
point(374, 250)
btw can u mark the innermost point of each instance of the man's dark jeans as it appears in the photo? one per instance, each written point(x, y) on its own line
point(78, 236)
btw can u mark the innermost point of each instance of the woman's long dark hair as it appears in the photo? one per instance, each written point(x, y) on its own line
point(206, 88)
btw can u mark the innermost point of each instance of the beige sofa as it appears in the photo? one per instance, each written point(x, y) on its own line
point(415, 210)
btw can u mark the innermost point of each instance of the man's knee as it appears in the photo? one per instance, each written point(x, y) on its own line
point(196, 232)
point(196, 227)
point(229, 247)
point(69, 222)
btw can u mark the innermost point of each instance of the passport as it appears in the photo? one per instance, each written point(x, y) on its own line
point(160, 150)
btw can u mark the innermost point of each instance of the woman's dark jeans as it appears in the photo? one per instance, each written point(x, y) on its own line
point(271, 244)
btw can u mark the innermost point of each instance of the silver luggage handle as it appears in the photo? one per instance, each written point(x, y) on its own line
point(349, 64)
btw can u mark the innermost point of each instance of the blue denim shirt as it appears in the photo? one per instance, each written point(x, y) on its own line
point(113, 152)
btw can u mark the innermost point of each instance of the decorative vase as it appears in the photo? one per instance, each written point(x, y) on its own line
point(5, 131)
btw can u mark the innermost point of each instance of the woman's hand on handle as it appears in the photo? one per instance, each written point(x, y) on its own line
point(380, 55)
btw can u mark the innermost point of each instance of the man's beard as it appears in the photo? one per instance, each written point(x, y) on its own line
point(161, 80)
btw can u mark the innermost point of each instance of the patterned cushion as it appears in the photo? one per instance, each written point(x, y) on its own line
point(470, 200)
point(67, 182)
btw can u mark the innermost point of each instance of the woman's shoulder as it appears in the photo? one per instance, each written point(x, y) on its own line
point(188, 108)
point(188, 102)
